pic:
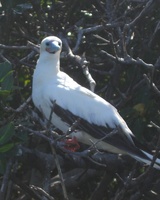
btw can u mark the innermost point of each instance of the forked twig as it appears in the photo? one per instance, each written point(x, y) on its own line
point(59, 171)
point(55, 155)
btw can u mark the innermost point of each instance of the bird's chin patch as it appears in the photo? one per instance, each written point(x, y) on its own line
point(53, 52)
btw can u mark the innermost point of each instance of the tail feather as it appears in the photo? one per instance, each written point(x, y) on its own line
point(147, 161)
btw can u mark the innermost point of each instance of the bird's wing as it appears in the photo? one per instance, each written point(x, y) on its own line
point(83, 103)
point(108, 135)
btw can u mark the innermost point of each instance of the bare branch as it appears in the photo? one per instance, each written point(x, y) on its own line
point(59, 172)
point(21, 107)
point(128, 60)
point(4, 184)
point(42, 192)
point(82, 62)
point(30, 45)
point(2, 46)
point(152, 85)
point(143, 13)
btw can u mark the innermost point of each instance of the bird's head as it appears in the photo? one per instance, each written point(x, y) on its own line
point(51, 45)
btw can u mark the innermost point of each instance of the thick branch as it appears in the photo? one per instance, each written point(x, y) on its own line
point(128, 60)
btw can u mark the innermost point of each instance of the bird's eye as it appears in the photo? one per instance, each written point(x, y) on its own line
point(47, 43)
point(59, 43)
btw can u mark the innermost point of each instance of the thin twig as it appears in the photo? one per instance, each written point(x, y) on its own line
point(52, 143)
point(143, 13)
point(70, 130)
point(82, 62)
point(101, 139)
point(4, 184)
point(51, 113)
point(59, 172)
point(153, 86)
point(42, 192)
point(128, 60)
point(20, 108)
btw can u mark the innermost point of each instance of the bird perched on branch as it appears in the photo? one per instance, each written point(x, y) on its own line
point(98, 119)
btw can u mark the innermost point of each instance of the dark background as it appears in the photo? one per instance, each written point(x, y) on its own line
point(120, 40)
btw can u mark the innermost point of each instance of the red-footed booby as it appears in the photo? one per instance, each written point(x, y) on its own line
point(98, 118)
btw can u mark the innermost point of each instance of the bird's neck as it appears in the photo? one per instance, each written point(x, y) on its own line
point(48, 67)
point(49, 64)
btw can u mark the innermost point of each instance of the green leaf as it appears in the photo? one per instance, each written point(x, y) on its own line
point(6, 76)
point(5, 67)
point(6, 147)
point(3, 78)
point(2, 165)
point(6, 132)
point(4, 92)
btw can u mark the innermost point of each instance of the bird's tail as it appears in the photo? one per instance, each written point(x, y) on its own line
point(147, 159)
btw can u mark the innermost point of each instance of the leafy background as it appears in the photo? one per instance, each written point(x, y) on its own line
point(126, 29)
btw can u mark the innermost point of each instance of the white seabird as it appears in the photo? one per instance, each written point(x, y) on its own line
point(97, 117)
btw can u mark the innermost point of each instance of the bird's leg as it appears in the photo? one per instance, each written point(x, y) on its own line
point(72, 144)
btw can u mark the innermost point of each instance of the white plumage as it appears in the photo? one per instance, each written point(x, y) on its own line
point(50, 84)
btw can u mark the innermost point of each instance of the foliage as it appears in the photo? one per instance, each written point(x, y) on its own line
point(120, 41)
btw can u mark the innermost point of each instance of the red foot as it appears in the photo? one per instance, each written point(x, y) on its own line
point(72, 144)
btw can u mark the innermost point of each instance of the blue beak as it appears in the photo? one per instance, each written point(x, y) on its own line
point(53, 47)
